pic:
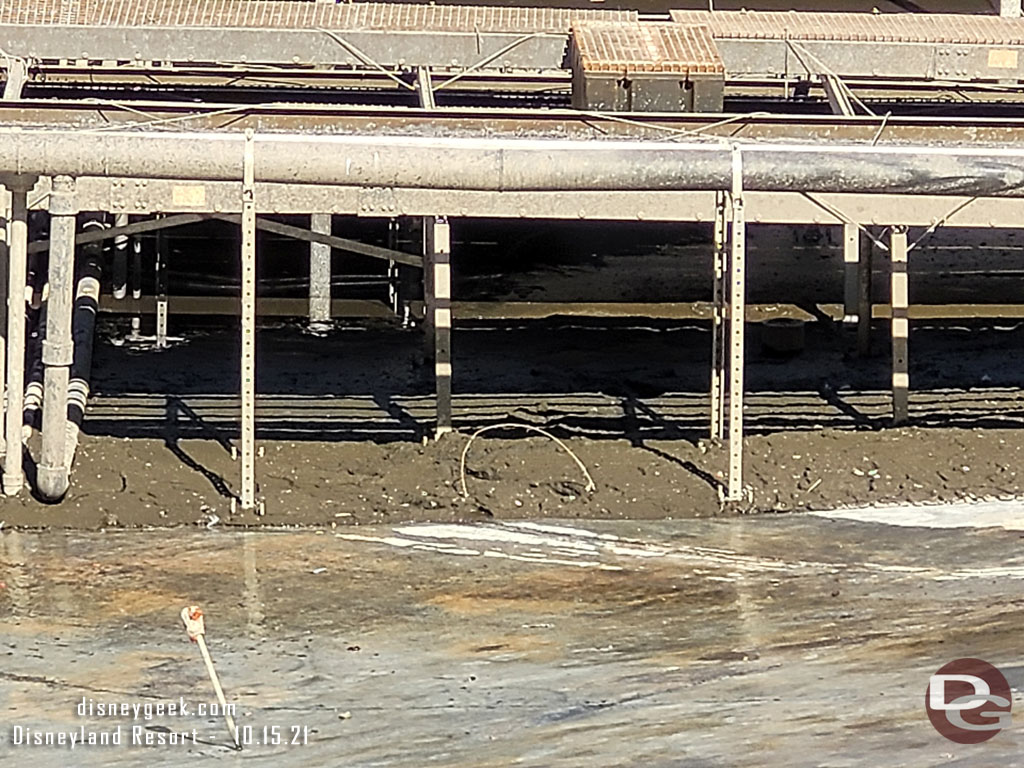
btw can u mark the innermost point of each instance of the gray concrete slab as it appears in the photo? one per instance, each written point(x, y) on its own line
point(790, 640)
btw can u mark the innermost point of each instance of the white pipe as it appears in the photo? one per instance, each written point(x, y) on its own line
point(14, 475)
point(508, 164)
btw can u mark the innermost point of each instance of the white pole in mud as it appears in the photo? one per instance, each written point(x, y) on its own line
point(320, 274)
point(900, 326)
point(248, 361)
point(718, 340)
point(14, 474)
point(437, 284)
point(737, 328)
point(195, 625)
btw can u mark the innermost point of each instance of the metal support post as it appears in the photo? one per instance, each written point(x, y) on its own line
point(737, 328)
point(119, 274)
point(58, 349)
point(320, 274)
point(248, 357)
point(14, 473)
point(393, 285)
point(851, 269)
point(718, 331)
point(900, 326)
point(136, 332)
point(161, 290)
point(438, 317)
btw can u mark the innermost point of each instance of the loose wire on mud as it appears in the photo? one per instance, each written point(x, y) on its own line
point(590, 487)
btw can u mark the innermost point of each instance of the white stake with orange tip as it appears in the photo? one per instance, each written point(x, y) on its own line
point(192, 616)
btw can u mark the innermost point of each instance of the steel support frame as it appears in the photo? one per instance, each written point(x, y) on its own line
point(729, 327)
point(900, 326)
point(247, 496)
point(437, 288)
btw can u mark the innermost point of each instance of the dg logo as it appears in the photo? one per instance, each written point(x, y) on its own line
point(968, 701)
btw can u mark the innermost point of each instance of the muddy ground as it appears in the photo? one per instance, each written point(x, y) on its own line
point(345, 422)
point(339, 446)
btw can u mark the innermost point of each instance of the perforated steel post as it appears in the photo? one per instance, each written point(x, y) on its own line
point(900, 326)
point(737, 328)
point(438, 296)
point(718, 375)
point(248, 321)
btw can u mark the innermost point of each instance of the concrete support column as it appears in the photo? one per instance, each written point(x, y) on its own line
point(438, 313)
point(1010, 8)
point(900, 326)
point(737, 294)
point(320, 274)
point(58, 349)
point(14, 473)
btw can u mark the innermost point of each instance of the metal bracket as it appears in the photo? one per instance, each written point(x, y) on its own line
point(952, 62)
point(374, 201)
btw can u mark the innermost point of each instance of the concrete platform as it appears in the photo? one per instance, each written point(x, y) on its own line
point(747, 641)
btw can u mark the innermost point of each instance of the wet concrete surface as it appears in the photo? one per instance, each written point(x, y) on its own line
point(773, 640)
